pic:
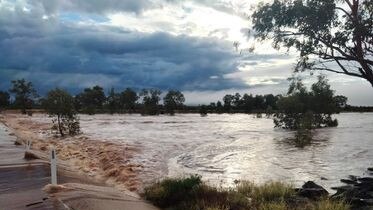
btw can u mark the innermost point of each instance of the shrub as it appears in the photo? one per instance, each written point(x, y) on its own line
point(172, 191)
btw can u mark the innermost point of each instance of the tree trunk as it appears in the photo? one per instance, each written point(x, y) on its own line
point(59, 125)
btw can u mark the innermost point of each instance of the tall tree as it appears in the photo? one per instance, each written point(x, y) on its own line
point(113, 101)
point(150, 101)
point(228, 102)
point(247, 102)
point(330, 35)
point(307, 109)
point(128, 99)
point(24, 94)
point(4, 99)
point(173, 100)
point(92, 99)
point(60, 105)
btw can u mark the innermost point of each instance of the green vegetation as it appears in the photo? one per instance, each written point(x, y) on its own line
point(60, 105)
point(303, 109)
point(192, 194)
point(24, 94)
point(4, 99)
point(323, 32)
point(173, 100)
point(147, 102)
point(91, 100)
point(150, 101)
point(128, 100)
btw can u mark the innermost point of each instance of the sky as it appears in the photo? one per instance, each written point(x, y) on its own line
point(186, 45)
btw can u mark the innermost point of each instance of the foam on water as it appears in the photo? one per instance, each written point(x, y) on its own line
point(223, 148)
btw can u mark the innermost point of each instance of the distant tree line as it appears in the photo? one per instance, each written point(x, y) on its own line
point(22, 95)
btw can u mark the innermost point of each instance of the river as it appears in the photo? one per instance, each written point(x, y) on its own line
point(223, 148)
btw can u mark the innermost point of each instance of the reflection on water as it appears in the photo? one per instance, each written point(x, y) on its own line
point(223, 148)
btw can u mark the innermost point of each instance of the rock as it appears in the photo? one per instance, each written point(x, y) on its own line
point(312, 191)
point(348, 181)
point(358, 192)
point(368, 180)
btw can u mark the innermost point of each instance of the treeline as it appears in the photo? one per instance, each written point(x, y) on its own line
point(22, 95)
point(94, 100)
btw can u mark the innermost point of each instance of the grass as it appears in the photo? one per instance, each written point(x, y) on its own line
point(191, 193)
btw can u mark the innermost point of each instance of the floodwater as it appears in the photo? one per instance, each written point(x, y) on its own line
point(224, 148)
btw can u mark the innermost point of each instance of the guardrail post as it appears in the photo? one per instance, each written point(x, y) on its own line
point(53, 167)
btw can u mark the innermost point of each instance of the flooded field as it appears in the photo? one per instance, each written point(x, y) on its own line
point(224, 148)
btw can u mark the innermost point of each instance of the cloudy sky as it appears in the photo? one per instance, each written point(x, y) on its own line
point(166, 44)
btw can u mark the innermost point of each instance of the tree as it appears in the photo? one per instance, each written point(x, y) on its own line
point(92, 99)
point(270, 101)
point(219, 107)
point(203, 110)
point(150, 101)
point(330, 35)
point(24, 94)
point(4, 99)
point(228, 102)
point(259, 102)
point(113, 101)
point(128, 99)
point(340, 101)
point(247, 102)
point(303, 109)
point(173, 100)
point(60, 105)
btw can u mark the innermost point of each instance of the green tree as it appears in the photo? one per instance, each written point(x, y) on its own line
point(113, 101)
point(228, 102)
point(203, 110)
point(128, 99)
point(340, 101)
point(59, 104)
point(92, 99)
point(219, 107)
point(24, 94)
point(330, 35)
point(270, 101)
point(4, 99)
point(173, 100)
point(247, 102)
point(259, 102)
point(150, 101)
point(303, 109)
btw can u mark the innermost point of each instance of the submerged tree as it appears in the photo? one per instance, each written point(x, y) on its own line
point(59, 104)
point(24, 94)
point(150, 101)
point(173, 100)
point(330, 35)
point(203, 110)
point(303, 109)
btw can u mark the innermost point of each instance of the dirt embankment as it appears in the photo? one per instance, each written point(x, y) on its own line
point(104, 161)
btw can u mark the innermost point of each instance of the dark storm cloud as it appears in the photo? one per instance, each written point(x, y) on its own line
point(48, 50)
point(95, 6)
